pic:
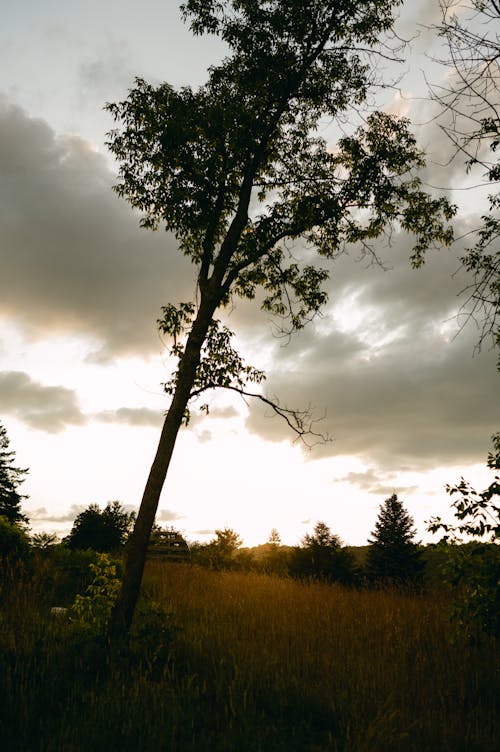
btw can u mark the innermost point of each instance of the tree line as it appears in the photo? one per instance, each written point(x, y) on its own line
point(468, 555)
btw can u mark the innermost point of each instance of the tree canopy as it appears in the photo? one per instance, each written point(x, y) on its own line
point(258, 200)
point(102, 530)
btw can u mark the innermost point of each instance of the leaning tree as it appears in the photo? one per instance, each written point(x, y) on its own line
point(237, 170)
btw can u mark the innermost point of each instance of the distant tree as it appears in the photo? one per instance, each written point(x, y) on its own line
point(322, 556)
point(239, 172)
point(103, 531)
point(393, 555)
point(44, 541)
point(274, 539)
point(11, 478)
point(224, 547)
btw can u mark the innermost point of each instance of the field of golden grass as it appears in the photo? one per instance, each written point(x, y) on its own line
point(252, 663)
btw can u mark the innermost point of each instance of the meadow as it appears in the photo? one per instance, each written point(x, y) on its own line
point(246, 661)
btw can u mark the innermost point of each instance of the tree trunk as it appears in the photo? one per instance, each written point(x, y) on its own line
point(123, 612)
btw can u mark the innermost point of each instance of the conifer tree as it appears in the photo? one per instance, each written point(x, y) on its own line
point(393, 555)
point(11, 478)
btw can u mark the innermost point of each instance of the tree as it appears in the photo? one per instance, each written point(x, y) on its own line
point(393, 556)
point(255, 197)
point(274, 540)
point(322, 556)
point(14, 543)
point(469, 101)
point(472, 553)
point(11, 478)
point(103, 531)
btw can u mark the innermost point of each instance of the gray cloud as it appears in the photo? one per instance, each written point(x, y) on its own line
point(167, 515)
point(132, 416)
point(42, 515)
point(372, 481)
point(71, 250)
point(46, 408)
point(397, 388)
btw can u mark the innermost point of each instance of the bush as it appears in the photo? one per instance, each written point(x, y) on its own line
point(14, 542)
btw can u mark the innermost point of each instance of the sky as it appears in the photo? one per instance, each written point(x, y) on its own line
point(391, 367)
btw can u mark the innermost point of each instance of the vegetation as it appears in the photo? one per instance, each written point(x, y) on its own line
point(393, 556)
point(104, 531)
point(322, 556)
point(473, 570)
point(256, 198)
point(14, 542)
point(243, 661)
point(470, 118)
point(11, 478)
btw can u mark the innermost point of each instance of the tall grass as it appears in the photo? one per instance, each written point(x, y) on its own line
point(256, 663)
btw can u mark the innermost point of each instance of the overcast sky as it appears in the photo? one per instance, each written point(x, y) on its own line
point(390, 367)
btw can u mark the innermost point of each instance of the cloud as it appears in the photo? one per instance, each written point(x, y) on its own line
point(167, 515)
point(46, 408)
point(372, 481)
point(132, 416)
point(399, 389)
point(73, 257)
point(42, 515)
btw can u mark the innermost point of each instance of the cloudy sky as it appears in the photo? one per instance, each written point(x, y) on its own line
point(389, 366)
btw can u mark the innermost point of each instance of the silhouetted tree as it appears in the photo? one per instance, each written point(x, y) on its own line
point(274, 539)
point(103, 531)
point(238, 172)
point(11, 478)
point(471, 550)
point(322, 556)
point(393, 556)
point(223, 548)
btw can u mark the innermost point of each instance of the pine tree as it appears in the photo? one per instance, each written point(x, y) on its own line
point(393, 556)
point(10, 479)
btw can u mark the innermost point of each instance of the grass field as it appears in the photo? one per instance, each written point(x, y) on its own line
point(252, 662)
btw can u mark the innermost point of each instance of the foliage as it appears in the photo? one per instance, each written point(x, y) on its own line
point(10, 479)
point(257, 199)
point(220, 552)
point(473, 569)
point(14, 543)
point(42, 541)
point(258, 663)
point(469, 100)
point(92, 610)
point(393, 556)
point(104, 531)
point(322, 556)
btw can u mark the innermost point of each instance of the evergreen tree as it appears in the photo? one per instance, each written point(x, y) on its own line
point(10, 479)
point(393, 556)
point(322, 556)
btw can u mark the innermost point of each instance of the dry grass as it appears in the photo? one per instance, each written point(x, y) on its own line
point(257, 664)
point(361, 670)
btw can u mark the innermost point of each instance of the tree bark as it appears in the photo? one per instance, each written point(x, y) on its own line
point(123, 612)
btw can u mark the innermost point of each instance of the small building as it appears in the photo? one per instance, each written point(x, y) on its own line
point(168, 545)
